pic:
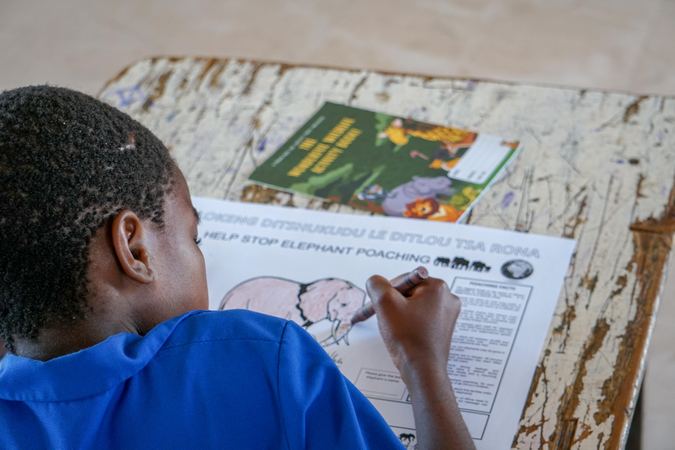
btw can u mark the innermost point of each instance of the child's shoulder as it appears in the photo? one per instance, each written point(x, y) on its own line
point(235, 325)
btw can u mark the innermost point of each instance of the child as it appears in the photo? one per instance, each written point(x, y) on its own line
point(103, 287)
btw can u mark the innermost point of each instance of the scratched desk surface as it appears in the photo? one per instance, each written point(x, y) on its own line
point(598, 167)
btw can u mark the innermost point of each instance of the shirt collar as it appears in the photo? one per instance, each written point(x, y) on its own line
point(84, 373)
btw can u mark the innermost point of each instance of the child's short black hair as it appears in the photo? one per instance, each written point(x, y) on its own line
point(68, 162)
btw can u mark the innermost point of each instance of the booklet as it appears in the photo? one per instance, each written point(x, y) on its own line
point(508, 283)
point(386, 164)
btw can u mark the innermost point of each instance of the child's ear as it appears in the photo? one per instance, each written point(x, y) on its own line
point(130, 241)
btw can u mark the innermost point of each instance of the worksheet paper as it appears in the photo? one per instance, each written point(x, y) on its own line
point(311, 267)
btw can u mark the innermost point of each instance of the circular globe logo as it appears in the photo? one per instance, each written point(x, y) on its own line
point(517, 269)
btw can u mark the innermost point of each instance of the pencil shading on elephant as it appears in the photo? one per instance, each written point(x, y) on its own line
point(273, 296)
point(331, 299)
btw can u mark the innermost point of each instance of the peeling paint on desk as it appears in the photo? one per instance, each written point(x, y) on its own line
point(592, 168)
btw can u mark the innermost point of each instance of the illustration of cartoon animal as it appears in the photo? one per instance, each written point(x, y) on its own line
point(450, 153)
point(452, 149)
point(372, 192)
point(442, 261)
point(306, 304)
point(399, 130)
point(444, 165)
point(429, 208)
point(480, 266)
point(417, 154)
point(421, 208)
point(396, 201)
point(460, 263)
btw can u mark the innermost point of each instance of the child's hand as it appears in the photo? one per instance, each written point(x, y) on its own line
point(416, 328)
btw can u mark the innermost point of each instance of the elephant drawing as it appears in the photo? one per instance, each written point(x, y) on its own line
point(331, 299)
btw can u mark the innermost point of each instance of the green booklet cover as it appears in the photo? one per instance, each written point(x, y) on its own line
point(386, 164)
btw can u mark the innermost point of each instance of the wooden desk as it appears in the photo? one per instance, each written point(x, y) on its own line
point(597, 167)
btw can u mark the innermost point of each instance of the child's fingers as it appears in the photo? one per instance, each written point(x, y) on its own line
point(381, 291)
point(401, 281)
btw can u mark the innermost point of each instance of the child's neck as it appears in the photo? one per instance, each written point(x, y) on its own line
point(54, 342)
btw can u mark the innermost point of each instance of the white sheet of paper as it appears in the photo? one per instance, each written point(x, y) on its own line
point(317, 264)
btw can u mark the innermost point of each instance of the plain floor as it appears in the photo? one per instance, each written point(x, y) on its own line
point(605, 44)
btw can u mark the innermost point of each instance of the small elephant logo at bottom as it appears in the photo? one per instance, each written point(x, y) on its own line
point(409, 440)
point(329, 299)
point(517, 269)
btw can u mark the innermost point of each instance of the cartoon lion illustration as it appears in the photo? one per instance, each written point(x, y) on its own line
point(429, 208)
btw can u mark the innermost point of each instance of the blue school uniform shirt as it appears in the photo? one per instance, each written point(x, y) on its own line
point(234, 379)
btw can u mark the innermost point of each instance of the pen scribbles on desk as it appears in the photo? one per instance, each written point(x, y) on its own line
point(328, 299)
point(125, 97)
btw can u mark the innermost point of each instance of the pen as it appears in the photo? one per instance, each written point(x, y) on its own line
point(403, 284)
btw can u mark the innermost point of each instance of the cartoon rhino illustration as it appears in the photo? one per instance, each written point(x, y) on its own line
point(331, 299)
